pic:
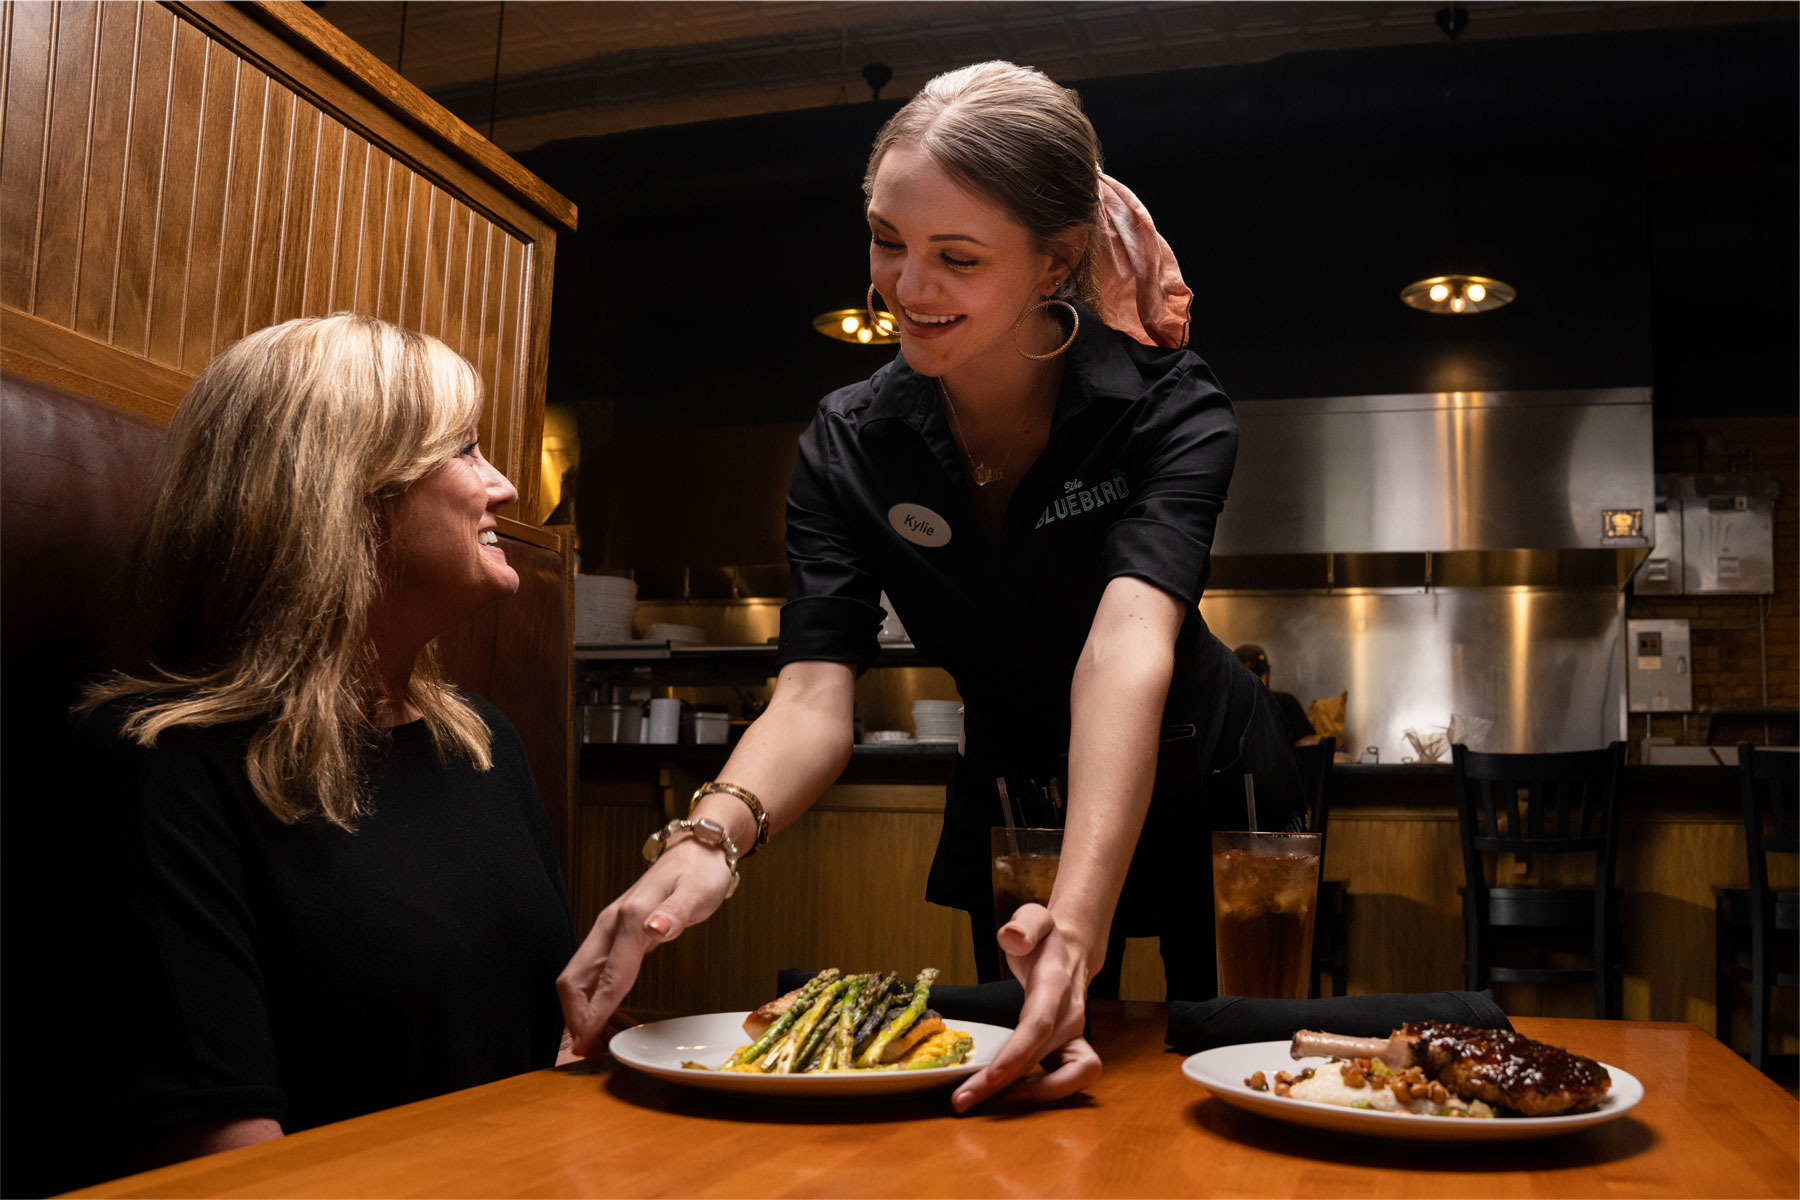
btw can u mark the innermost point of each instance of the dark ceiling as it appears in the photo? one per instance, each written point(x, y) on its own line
point(1638, 189)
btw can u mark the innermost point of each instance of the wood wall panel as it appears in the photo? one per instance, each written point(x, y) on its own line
point(140, 188)
point(168, 190)
point(167, 266)
point(58, 264)
point(108, 141)
point(298, 197)
point(30, 33)
point(842, 887)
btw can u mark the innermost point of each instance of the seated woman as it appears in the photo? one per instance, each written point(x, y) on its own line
point(311, 878)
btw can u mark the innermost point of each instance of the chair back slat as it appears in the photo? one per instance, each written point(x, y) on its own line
point(1534, 804)
point(1767, 785)
point(1315, 762)
point(1540, 803)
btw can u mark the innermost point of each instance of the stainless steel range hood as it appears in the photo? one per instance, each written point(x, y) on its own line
point(1452, 489)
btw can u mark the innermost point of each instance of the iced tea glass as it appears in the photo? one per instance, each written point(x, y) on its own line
point(1024, 862)
point(1265, 892)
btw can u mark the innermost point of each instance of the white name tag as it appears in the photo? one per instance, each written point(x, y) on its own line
point(919, 525)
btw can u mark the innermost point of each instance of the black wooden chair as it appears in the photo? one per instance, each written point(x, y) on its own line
point(1328, 920)
point(1759, 922)
point(1532, 806)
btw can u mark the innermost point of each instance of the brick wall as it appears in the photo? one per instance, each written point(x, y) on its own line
point(1727, 661)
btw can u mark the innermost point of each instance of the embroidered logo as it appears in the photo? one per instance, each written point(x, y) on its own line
point(1077, 499)
point(919, 525)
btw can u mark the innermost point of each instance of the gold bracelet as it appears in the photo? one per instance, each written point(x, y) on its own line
point(750, 801)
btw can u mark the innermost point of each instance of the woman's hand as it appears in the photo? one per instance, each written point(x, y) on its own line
point(1053, 966)
point(682, 888)
point(789, 756)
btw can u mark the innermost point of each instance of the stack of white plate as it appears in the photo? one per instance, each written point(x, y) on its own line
point(605, 606)
point(937, 720)
point(680, 635)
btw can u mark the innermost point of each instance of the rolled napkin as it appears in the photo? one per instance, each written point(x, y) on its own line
point(989, 1003)
point(1196, 1025)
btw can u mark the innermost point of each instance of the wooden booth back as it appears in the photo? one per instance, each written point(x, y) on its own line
point(172, 177)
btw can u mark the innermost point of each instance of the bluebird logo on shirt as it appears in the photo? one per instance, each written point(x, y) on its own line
point(1078, 498)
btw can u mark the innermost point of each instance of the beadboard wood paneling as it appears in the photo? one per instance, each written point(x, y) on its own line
point(175, 176)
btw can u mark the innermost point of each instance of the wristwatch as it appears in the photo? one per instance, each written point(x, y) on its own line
point(707, 833)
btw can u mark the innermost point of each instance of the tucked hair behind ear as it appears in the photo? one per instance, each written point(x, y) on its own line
point(1015, 136)
point(256, 563)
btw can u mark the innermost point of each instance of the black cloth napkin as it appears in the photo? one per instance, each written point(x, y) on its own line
point(989, 1003)
point(1196, 1025)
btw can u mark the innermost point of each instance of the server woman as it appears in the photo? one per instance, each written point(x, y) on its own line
point(1034, 481)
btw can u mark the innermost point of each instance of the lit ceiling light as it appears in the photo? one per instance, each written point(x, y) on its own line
point(1458, 294)
point(1455, 294)
point(858, 325)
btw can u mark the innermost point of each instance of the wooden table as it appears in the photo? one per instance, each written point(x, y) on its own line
point(1709, 1126)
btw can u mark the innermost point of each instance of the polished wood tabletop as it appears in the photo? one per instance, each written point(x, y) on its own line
point(1709, 1125)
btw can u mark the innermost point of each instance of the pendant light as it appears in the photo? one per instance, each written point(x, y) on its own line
point(1456, 295)
point(869, 326)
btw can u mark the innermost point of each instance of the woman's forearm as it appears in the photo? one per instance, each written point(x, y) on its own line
point(791, 753)
point(1116, 702)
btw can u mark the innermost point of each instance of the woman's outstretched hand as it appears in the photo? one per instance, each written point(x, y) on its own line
point(1053, 969)
point(682, 888)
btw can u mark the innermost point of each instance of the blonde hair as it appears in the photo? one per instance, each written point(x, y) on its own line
point(1014, 135)
point(257, 562)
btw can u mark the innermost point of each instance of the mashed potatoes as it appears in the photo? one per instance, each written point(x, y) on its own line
point(1358, 1083)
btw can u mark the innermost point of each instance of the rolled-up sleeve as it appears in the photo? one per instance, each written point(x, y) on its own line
point(832, 613)
point(1178, 482)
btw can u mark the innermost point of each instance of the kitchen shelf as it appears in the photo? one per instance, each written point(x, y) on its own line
point(673, 663)
point(906, 762)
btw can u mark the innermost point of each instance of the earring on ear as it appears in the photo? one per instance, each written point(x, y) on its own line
point(871, 303)
point(1040, 306)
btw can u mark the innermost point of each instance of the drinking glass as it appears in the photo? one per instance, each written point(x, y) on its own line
point(1265, 892)
point(1024, 866)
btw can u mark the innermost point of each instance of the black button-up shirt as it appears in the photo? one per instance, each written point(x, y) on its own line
point(1131, 482)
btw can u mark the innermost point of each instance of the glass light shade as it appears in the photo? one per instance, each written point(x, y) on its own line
point(1462, 294)
point(853, 325)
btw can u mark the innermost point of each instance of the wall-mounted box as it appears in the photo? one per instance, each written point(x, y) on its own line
point(1659, 674)
point(1661, 572)
point(1728, 534)
point(1715, 535)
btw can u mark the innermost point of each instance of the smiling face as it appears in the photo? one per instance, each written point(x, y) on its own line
point(442, 555)
point(955, 268)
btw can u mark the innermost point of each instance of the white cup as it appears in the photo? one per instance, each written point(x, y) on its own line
point(665, 721)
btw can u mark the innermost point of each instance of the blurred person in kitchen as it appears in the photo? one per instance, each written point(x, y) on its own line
point(1034, 481)
point(308, 878)
point(1293, 715)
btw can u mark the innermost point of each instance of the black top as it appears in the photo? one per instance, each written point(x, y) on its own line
point(301, 972)
point(1130, 483)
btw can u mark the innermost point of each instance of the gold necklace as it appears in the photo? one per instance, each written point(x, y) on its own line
point(981, 472)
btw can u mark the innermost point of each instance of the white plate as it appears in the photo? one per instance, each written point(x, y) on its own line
point(660, 1048)
point(1224, 1070)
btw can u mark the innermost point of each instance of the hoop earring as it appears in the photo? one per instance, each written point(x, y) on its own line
point(871, 305)
point(1040, 306)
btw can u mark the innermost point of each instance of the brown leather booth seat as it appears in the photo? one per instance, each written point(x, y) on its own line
point(74, 475)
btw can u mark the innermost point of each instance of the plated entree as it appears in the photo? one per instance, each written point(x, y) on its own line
point(837, 1022)
point(1443, 1070)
